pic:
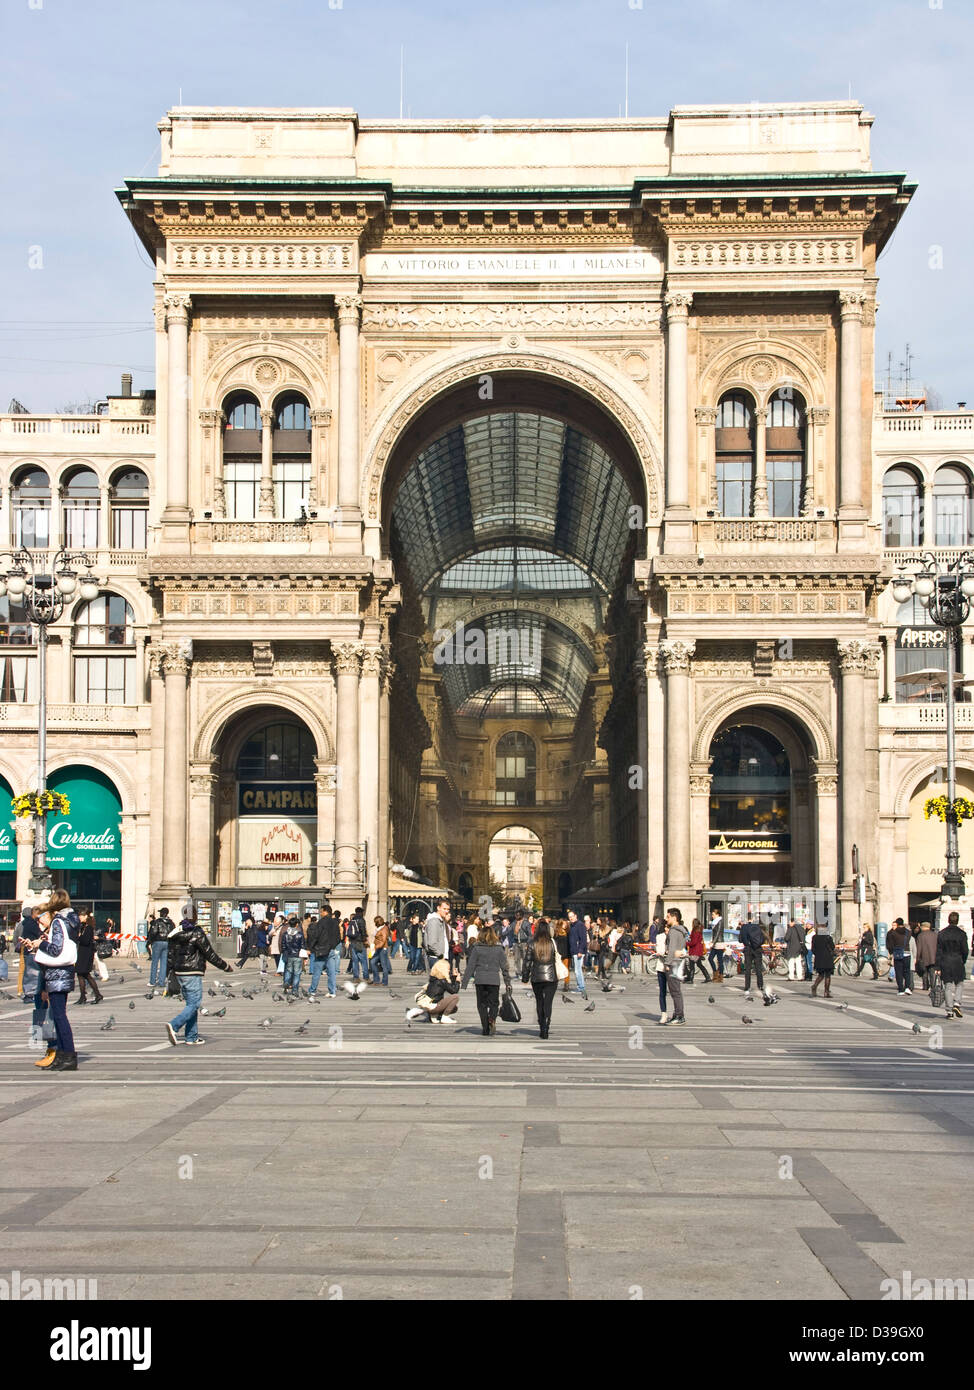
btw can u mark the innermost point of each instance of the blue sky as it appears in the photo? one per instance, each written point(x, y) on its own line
point(84, 82)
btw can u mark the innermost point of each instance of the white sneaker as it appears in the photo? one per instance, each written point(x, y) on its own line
point(908, 991)
point(446, 1018)
point(414, 1013)
point(662, 1020)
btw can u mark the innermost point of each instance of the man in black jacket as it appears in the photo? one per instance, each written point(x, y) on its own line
point(157, 944)
point(189, 951)
point(752, 939)
point(823, 958)
point(325, 950)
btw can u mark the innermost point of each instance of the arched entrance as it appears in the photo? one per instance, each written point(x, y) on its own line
point(513, 508)
point(516, 867)
point(750, 807)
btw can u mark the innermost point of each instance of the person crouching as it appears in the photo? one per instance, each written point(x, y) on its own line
point(439, 1000)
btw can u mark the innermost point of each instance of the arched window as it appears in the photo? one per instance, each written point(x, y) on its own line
point(735, 454)
point(902, 507)
point(515, 770)
point(80, 499)
point(952, 505)
point(30, 499)
point(751, 783)
point(130, 509)
point(785, 452)
point(292, 457)
point(105, 673)
point(277, 752)
point(241, 456)
point(18, 672)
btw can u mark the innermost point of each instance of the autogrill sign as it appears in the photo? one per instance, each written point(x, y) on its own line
point(754, 842)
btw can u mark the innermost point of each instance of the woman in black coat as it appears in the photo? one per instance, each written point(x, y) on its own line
point(486, 962)
point(539, 969)
point(86, 959)
point(952, 953)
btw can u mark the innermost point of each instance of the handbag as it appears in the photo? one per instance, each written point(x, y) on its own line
point(509, 1010)
point(280, 966)
point(937, 992)
point(48, 1031)
point(32, 977)
point(561, 973)
point(68, 954)
point(304, 954)
point(677, 970)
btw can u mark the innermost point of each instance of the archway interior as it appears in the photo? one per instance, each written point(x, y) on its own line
point(516, 867)
point(513, 527)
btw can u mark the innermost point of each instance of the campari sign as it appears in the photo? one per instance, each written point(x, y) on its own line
point(89, 836)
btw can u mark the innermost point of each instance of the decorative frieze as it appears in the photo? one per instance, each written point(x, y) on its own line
point(766, 253)
point(260, 257)
point(572, 317)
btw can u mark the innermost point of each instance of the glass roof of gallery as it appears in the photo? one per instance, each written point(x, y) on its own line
point(514, 656)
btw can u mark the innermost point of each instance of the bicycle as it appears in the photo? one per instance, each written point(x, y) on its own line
point(848, 960)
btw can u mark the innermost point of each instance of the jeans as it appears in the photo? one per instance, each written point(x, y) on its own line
point(716, 958)
point(579, 974)
point(661, 981)
point(329, 964)
point(809, 965)
point(380, 962)
point(394, 949)
point(160, 960)
point(292, 973)
point(191, 987)
point(488, 998)
point(358, 959)
point(544, 997)
point(415, 966)
point(753, 959)
point(901, 966)
point(59, 1016)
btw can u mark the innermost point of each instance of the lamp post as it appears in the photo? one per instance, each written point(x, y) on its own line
point(945, 591)
point(42, 590)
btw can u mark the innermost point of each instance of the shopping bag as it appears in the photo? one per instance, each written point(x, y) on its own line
point(280, 966)
point(48, 1031)
point(937, 992)
point(32, 977)
point(509, 1010)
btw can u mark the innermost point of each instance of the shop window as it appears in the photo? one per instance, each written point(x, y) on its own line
point(751, 783)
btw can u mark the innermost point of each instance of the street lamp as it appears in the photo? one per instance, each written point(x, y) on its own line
point(42, 592)
point(945, 591)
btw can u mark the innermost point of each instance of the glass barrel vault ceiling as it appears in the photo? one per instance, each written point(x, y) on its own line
point(514, 502)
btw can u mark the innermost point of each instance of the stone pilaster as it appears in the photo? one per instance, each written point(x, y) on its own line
point(851, 304)
point(176, 670)
point(178, 392)
point(676, 656)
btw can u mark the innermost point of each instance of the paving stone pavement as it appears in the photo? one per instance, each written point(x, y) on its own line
point(617, 1160)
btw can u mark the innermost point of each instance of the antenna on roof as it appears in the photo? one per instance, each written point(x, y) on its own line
point(402, 77)
point(627, 81)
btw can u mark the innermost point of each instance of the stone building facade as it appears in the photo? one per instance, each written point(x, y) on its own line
point(521, 473)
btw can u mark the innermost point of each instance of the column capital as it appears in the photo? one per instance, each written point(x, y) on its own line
point(819, 414)
point(159, 313)
point(761, 414)
point(320, 419)
point(177, 308)
point(705, 414)
point(177, 658)
point(156, 657)
point(373, 659)
point(677, 305)
point(267, 417)
point(700, 779)
point(210, 419)
point(851, 303)
point(347, 657)
point(349, 308)
point(857, 657)
point(676, 655)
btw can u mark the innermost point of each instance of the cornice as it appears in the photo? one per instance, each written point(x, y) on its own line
point(752, 567)
point(241, 569)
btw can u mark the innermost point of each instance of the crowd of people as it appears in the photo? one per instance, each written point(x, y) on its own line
point(58, 951)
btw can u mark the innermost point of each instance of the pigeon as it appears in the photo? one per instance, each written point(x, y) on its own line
point(211, 992)
point(109, 1023)
point(278, 998)
point(266, 1022)
point(745, 1019)
point(917, 1028)
point(711, 999)
point(132, 1004)
point(137, 968)
point(589, 1008)
point(303, 1028)
point(121, 979)
point(220, 1012)
point(151, 994)
point(393, 996)
point(749, 996)
point(354, 990)
point(606, 989)
point(843, 1007)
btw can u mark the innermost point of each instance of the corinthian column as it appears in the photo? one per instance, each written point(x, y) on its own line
point(677, 470)
point(349, 311)
point(177, 442)
point(265, 506)
point(368, 767)
point(676, 656)
point(382, 853)
point(761, 461)
point(176, 669)
point(850, 404)
point(348, 658)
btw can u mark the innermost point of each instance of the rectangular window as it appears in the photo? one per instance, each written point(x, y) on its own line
point(32, 527)
point(734, 486)
point(901, 518)
point(913, 659)
point(18, 680)
point(241, 483)
point(784, 486)
point(292, 483)
point(103, 680)
point(129, 528)
point(951, 520)
point(81, 526)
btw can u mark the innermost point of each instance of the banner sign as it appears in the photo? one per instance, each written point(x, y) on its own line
point(90, 836)
point(271, 798)
point(911, 638)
